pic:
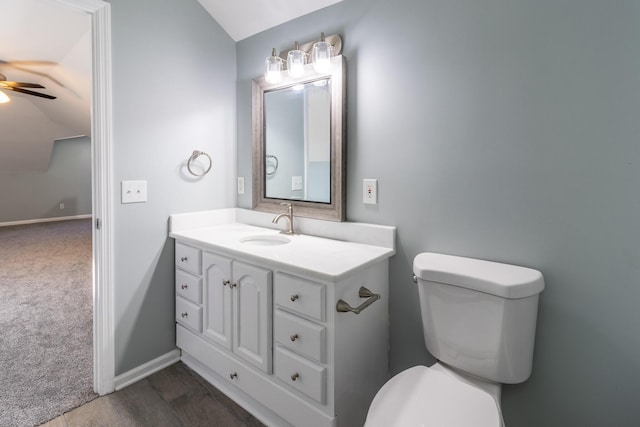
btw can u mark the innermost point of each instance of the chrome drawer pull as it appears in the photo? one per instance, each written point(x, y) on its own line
point(343, 307)
point(233, 376)
point(295, 376)
point(293, 337)
point(294, 297)
point(185, 314)
point(184, 286)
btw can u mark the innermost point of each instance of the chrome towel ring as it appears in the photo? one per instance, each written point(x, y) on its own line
point(193, 157)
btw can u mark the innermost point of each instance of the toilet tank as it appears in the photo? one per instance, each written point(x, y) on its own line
point(479, 316)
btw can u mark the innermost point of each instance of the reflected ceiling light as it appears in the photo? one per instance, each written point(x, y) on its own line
point(4, 98)
point(273, 68)
point(319, 54)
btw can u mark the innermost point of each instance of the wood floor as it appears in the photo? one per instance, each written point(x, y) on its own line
point(175, 396)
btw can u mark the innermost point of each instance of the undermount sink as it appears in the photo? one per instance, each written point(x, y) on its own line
point(265, 240)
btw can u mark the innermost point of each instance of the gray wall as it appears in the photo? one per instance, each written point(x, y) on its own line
point(173, 92)
point(37, 195)
point(510, 133)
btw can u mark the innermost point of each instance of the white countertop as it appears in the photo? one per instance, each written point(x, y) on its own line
point(323, 258)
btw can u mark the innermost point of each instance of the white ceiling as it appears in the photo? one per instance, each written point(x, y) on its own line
point(244, 18)
point(48, 43)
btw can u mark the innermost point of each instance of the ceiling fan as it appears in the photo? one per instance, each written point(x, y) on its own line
point(20, 87)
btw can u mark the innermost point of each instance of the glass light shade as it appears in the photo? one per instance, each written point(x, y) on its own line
point(321, 56)
point(273, 68)
point(295, 62)
point(4, 98)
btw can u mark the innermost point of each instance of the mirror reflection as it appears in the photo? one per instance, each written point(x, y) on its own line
point(298, 143)
point(297, 126)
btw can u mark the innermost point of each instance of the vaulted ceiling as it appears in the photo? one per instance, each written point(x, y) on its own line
point(244, 18)
point(47, 43)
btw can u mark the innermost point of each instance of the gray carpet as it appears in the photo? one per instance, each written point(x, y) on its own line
point(46, 321)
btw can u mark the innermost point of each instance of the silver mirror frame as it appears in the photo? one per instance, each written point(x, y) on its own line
point(336, 209)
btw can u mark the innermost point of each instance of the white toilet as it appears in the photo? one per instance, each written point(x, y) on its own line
point(479, 321)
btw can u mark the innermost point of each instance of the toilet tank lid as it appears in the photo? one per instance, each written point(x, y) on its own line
point(503, 280)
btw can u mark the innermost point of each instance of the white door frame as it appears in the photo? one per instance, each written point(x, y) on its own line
point(101, 177)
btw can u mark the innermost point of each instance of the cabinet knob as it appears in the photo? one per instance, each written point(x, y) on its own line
point(233, 376)
point(294, 297)
point(225, 282)
point(293, 337)
point(185, 314)
point(295, 376)
point(184, 286)
point(183, 259)
point(233, 285)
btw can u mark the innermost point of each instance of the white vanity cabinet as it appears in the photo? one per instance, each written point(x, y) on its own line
point(188, 287)
point(269, 335)
point(237, 308)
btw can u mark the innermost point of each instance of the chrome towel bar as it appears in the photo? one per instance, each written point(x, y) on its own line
point(343, 307)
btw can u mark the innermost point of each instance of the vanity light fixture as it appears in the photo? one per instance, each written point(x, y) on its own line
point(318, 53)
point(296, 59)
point(321, 55)
point(273, 68)
point(4, 98)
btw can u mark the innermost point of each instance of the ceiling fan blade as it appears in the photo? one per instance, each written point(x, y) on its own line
point(22, 66)
point(30, 92)
point(27, 62)
point(21, 84)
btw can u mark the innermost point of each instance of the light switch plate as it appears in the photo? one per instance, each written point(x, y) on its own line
point(241, 185)
point(370, 191)
point(133, 191)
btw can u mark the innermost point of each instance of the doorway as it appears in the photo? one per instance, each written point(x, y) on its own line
point(101, 142)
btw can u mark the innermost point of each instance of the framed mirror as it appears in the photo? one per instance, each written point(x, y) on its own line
point(299, 143)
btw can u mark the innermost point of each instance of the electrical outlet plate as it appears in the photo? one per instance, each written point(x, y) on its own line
point(296, 183)
point(134, 191)
point(370, 191)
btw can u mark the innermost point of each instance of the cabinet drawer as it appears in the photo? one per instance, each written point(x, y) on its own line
point(189, 286)
point(300, 335)
point(189, 314)
point(300, 296)
point(301, 374)
point(188, 258)
point(264, 388)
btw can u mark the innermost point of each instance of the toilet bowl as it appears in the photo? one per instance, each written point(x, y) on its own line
point(478, 321)
point(435, 396)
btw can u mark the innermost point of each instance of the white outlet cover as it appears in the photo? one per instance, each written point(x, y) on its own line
point(370, 191)
point(296, 183)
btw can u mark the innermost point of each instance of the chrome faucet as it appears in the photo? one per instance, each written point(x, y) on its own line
point(288, 216)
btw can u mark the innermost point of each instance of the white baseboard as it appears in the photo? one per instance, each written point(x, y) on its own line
point(34, 221)
point(143, 371)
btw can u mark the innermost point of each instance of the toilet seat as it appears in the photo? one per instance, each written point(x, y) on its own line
point(424, 397)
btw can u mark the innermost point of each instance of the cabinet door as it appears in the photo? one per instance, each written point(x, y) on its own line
point(252, 336)
point(217, 299)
